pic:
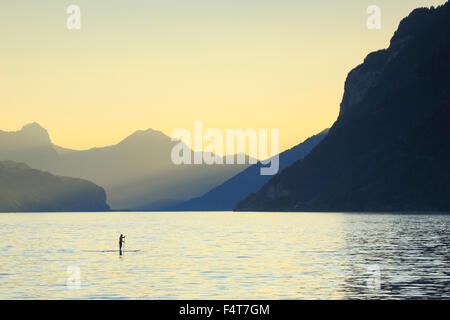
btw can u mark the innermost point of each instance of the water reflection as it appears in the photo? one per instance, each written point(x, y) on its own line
point(225, 256)
point(411, 252)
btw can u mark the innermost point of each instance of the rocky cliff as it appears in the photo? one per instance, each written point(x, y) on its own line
point(389, 148)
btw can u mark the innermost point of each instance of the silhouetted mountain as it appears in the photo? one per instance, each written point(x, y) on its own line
point(226, 196)
point(137, 173)
point(389, 148)
point(23, 189)
point(31, 145)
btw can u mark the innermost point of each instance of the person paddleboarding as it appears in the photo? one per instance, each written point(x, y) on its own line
point(121, 242)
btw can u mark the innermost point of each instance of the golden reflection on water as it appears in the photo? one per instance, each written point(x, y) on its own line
point(197, 255)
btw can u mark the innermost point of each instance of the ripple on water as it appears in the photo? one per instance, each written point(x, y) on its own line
point(210, 256)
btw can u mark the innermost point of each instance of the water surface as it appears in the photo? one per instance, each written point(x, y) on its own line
point(224, 256)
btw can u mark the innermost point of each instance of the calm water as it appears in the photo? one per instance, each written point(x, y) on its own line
point(225, 256)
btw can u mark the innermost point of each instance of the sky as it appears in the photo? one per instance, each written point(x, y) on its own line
point(140, 64)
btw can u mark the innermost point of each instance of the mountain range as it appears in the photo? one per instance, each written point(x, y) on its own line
point(137, 173)
point(387, 151)
point(389, 148)
point(226, 196)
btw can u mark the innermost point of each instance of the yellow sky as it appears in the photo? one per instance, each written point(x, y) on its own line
point(163, 64)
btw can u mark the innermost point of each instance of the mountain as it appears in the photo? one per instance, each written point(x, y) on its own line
point(226, 196)
point(389, 148)
point(31, 145)
point(137, 173)
point(23, 189)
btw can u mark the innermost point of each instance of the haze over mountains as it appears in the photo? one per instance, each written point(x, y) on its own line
point(23, 189)
point(389, 150)
point(137, 173)
point(226, 196)
point(30, 145)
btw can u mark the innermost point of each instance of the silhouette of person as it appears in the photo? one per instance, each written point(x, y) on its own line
point(121, 242)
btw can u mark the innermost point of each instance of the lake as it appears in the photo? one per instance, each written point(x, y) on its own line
point(224, 255)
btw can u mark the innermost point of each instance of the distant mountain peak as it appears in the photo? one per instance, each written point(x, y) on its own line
point(35, 132)
point(140, 136)
point(33, 126)
point(30, 134)
point(148, 132)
